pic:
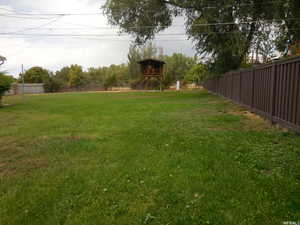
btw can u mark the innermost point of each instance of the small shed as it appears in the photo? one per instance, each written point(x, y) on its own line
point(152, 68)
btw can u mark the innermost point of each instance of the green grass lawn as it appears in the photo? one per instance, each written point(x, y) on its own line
point(168, 158)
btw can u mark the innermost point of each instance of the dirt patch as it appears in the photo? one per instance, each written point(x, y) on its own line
point(7, 106)
point(2, 165)
point(205, 111)
point(67, 138)
point(267, 172)
point(248, 114)
point(251, 121)
point(254, 122)
point(21, 167)
point(218, 129)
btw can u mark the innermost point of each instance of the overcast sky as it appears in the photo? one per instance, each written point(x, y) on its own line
point(33, 41)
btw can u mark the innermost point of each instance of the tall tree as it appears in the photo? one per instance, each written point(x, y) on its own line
point(134, 56)
point(197, 74)
point(177, 66)
point(288, 40)
point(223, 30)
point(63, 74)
point(76, 77)
point(36, 75)
point(96, 76)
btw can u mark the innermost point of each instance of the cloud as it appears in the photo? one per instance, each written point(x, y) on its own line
point(42, 47)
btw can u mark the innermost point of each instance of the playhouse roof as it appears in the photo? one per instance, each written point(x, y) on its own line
point(145, 61)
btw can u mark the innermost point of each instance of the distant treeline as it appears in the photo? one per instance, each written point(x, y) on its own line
point(178, 67)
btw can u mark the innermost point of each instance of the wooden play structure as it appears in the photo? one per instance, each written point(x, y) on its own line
point(152, 68)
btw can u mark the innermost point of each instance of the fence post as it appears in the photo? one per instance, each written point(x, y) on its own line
point(297, 106)
point(252, 87)
point(232, 86)
point(240, 91)
point(225, 85)
point(273, 92)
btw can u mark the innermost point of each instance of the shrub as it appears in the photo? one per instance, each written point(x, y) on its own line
point(135, 84)
point(53, 84)
point(5, 84)
point(197, 74)
point(110, 81)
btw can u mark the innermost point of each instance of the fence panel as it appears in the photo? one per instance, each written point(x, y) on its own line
point(286, 109)
point(262, 90)
point(246, 87)
point(236, 86)
point(272, 90)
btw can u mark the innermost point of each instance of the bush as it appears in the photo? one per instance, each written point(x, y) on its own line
point(110, 81)
point(197, 74)
point(53, 84)
point(5, 84)
point(135, 84)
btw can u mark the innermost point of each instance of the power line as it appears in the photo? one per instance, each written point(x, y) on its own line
point(100, 36)
point(113, 39)
point(24, 17)
point(151, 26)
point(105, 36)
point(141, 27)
point(54, 14)
point(150, 11)
point(113, 35)
point(67, 28)
point(33, 28)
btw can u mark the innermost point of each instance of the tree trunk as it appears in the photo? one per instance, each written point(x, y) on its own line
point(248, 41)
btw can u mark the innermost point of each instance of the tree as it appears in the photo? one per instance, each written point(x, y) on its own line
point(5, 83)
point(63, 74)
point(36, 75)
point(223, 30)
point(110, 81)
point(177, 65)
point(76, 77)
point(134, 56)
point(96, 75)
point(197, 74)
point(150, 50)
point(288, 40)
point(263, 46)
point(53, 84)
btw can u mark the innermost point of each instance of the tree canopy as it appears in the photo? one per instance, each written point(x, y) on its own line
point(36, 75)
point(177, 67)
point(76, 77)
point(289, 31)
point(223, 30)
point(197, 74)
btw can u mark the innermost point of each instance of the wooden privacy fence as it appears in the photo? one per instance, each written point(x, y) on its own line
point(271, 90)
